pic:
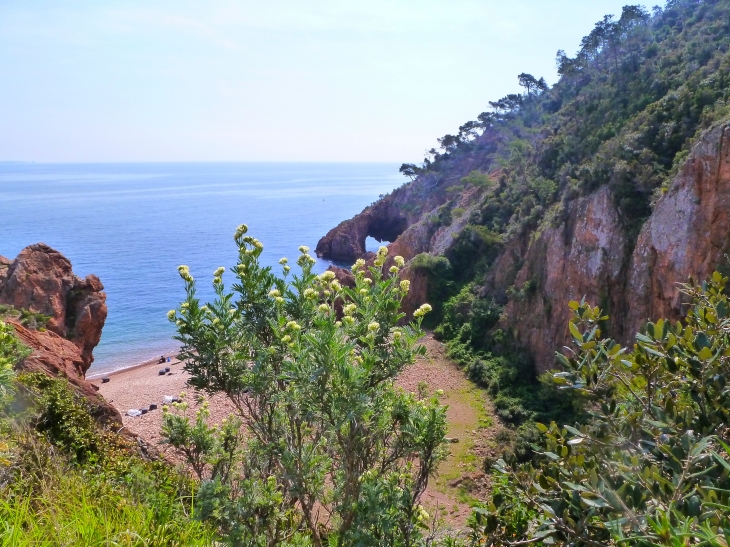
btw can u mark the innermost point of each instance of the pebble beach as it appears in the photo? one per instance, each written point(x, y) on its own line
point(138, 387)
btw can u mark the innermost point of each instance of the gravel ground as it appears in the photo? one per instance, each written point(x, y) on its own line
point(138, 387)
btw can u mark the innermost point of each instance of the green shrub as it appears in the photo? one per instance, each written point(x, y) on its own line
point(11, 352)
point(333, 450)
point(27, 318)
point(652, 464)
point(62, 415)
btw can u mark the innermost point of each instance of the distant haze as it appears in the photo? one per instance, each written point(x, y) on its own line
point(274, 80)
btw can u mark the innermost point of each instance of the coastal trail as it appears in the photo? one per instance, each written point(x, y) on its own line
point(472, 429)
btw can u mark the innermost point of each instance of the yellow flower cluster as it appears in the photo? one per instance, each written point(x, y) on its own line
point(423, 310)
point(293, 325)
point(254, 242)
point(184, 272)
point(329, 275)
point(405, 285)
point(380, 257)
point(349, 309)
point(242, 229)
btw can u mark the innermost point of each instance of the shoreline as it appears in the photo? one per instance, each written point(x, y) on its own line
point(136, 387)
point(153, 361)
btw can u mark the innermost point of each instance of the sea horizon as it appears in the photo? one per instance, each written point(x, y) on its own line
point(133, 223)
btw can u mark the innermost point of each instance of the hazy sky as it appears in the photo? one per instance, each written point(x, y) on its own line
point(270, 80)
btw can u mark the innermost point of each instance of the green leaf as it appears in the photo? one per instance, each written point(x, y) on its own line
point(576, 440)
point(575, 332)
point(705, 354)
point(594, 501)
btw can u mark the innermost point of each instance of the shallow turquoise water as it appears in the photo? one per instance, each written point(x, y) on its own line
point(133, 224)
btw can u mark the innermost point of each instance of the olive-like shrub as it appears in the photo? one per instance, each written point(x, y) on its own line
point(11, 351)
point(323, 450)
point(652, 465)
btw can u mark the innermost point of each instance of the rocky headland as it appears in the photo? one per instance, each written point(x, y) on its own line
point(583, 250)
point(40, 280)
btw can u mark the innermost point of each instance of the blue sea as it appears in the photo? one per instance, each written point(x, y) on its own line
point(133, 224)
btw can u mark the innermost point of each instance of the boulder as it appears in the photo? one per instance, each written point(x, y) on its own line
point(41, 280)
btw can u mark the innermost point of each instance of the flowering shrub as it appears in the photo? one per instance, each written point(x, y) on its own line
point(331, 447)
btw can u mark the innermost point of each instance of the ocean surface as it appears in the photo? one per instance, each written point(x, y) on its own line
point(133, 224)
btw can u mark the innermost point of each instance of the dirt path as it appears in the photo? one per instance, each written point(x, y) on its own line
point(460, 482)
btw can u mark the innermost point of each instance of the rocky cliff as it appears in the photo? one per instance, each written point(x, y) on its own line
point(586, 251)
point(41, 281)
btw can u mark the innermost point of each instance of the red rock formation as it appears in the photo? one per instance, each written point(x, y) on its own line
point(587, 256)
point(41, 280)
point(583, 257)
point(585, 252)
point(687, 234)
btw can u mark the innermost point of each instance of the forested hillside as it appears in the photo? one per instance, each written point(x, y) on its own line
point(545, 198)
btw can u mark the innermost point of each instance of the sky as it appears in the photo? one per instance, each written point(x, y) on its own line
point(266, 80)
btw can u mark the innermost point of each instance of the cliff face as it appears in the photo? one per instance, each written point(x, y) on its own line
point(583, 256)
point(41, 280)
point(686, 236)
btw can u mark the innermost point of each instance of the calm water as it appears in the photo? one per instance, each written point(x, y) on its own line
point(133, 224)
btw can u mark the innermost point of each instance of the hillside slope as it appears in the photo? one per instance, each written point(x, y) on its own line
point(611, 185)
